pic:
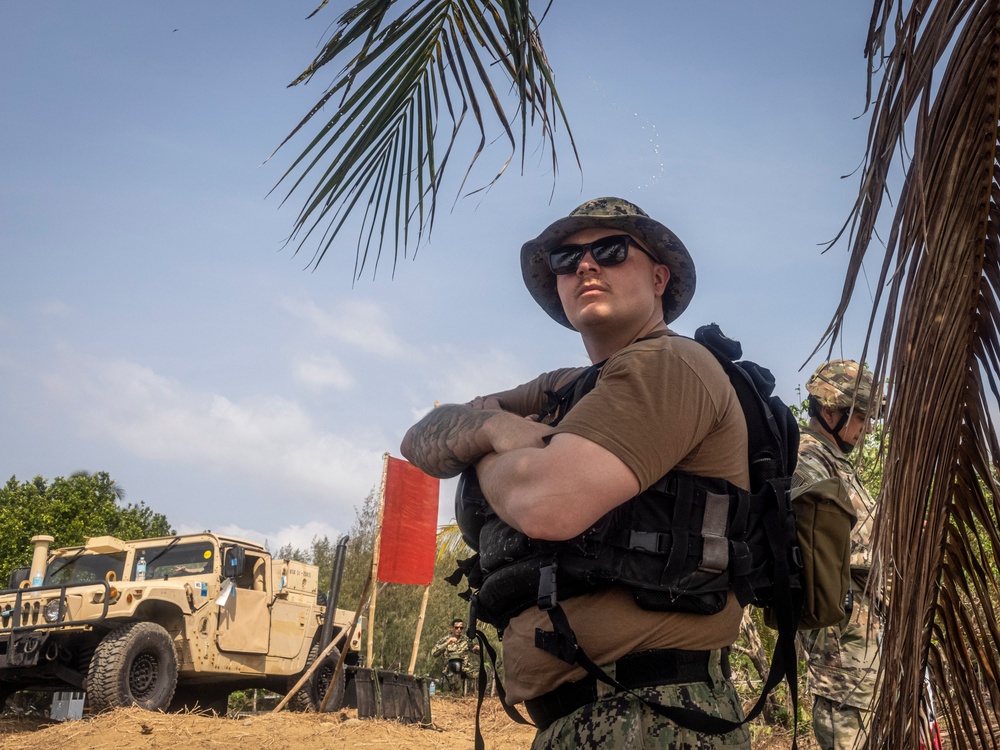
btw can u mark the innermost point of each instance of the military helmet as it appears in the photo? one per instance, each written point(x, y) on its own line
point(836, 385)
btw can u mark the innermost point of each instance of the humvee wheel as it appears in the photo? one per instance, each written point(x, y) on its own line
point(310, 696)
point(134, 665)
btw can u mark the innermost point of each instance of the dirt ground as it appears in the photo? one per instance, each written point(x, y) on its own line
point(453, 729)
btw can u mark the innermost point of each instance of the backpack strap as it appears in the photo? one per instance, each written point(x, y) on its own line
point(486, 648)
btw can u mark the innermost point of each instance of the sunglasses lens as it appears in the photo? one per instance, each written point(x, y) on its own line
point(610, 251)
point(565, 259)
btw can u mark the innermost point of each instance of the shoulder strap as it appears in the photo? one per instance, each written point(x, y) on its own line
point(561, 401)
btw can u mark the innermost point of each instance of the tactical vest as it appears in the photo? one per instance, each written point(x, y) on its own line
point(682, 545)
point(679, 546)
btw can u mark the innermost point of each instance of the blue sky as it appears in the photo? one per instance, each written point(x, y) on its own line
point(152, 326)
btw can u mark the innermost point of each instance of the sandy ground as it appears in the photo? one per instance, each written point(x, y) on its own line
point(453, 729)
point(136, 729)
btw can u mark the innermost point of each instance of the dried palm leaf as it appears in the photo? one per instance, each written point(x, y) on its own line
point(937, 535)
point(381, 153)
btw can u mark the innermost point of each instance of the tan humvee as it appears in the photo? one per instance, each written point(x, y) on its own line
point(211, 614)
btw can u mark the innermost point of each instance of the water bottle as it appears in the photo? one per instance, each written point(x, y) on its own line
point(140, 567)
point(431, 689)
point(37, 579)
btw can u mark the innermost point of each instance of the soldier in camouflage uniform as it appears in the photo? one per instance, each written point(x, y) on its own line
point(459, 663)
point(842, 659)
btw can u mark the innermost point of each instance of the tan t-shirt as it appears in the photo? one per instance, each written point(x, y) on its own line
point(661, 403)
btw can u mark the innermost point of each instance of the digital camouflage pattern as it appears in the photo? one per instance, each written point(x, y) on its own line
point(842, 660)
point(461, 648)
point(617, 720)
point(834, 384)
point(612, 213)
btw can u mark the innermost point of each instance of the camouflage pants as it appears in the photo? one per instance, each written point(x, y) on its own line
point(466, 682)
point(456, 682)
point(620, 722)
point(838, 727)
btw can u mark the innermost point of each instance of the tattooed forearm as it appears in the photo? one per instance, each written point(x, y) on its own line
point(448, 440)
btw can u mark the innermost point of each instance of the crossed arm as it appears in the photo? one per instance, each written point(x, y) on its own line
point(455, 436)
point(548, 489)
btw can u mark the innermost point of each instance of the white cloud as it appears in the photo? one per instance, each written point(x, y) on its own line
point(321, 372)
point(267, 439)
point(474, 373)
point(359, 323)
point(450, 374)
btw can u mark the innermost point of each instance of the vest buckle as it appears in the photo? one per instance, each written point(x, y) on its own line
point(547, 592)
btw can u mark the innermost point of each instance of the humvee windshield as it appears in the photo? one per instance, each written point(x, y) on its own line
point(84, 568)
point(172, 560)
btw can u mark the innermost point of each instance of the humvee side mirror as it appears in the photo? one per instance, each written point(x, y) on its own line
point(233, 562)
point(17, 576)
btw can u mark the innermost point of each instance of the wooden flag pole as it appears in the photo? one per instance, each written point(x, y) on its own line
point(420, 629)
point(375, 554)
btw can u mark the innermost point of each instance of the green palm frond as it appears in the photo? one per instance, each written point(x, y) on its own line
point(410, 79)
point(937, 536)
point(450, 544)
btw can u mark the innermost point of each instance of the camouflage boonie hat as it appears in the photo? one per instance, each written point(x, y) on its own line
point(834, 383)
point(612, 213)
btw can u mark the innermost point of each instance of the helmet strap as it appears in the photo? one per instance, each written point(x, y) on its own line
point(834, 430)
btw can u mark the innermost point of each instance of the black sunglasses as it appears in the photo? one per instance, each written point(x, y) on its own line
point(607, 251)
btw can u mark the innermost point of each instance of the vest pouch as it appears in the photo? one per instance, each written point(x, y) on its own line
point(705, 603)
point(507, 592)
point(672, 547)
point(501, 545)
point(510, 564)
point(824, 517)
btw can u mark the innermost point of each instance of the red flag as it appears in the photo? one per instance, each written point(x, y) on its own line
point(409, 525)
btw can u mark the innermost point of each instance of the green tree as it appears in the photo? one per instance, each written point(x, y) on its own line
point(69, 509)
